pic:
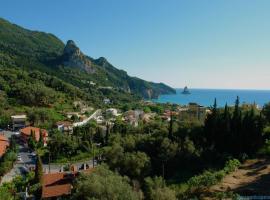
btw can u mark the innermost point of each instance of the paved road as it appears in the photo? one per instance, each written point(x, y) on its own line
point(93, 116)
point(27, 161)
point(19, 167)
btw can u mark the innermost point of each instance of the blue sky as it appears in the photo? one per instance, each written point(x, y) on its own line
point(199, 43)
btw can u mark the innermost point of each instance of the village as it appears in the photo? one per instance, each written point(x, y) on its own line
point(58, 178)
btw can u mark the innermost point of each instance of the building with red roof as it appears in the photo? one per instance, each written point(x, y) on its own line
point(59, 184)
point(28, 131)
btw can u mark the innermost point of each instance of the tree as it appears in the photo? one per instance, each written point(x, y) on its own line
point(171, 127)
point(5, 194)
point(41, 138)
point(166, 151)
point(104, 184)
point(38, 170)
point(156, 189)
point(210, 127)
point(224, 130)
point(107, 134)
point(266, 112)
point(236, 126)
point(114, 154)
point(32, 143)
point(136, 165)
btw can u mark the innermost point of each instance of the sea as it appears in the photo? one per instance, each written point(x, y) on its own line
point(206, 97)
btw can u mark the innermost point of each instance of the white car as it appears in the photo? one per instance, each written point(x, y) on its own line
point(33, 154)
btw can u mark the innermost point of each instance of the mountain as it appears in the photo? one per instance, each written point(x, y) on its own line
point(34, 50)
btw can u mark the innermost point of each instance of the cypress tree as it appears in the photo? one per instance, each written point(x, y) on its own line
point(38, 170)
point(236, 127)
point(41, 139)
point(32, 140)
point(211, 125)
point(107, 134)
point(171, 127)
point(224, 129)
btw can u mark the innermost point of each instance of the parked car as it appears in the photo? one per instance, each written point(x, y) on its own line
point(24, 170)
point(17, 133)
point(33, 154)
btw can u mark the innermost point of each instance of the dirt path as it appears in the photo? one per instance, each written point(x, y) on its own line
point(252, 178)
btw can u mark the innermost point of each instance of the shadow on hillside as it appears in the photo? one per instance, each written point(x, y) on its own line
point(261, 186)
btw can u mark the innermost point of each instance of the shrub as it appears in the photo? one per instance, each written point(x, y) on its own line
point(231, 165)
point(200, 183)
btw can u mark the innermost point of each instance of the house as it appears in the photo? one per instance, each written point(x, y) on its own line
point(167, 115)
point(56, 185)
point(112, 111)
point(100, 119)
point(193, 111)
point(4, 143)
point(133, 116)
point(18, 121)
point(70, 114)
point(106, 101)
point(27, 131)
point(65, 126)
point(60, 184)
point(147, 117)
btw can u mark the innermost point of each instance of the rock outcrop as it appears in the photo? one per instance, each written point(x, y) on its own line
point(73, 57)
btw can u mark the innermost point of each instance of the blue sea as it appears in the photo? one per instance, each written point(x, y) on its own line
point(205, 97)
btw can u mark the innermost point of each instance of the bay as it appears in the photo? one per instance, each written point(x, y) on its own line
point(205, 97)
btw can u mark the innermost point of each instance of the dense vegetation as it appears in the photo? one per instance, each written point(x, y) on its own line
point(30, 50)
point(156, 160)
point(8, 159)
point(36, 79)
point(187, 156)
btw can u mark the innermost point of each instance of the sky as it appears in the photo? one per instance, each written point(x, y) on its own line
point(198, 43)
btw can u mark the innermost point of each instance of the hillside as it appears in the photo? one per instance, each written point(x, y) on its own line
point(252, 178)
point(32, 50)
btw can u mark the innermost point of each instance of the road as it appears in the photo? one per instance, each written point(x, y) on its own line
point(19, 167)
point(93, 116)
point(27, 161)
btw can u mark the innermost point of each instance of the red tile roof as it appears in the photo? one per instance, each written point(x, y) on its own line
point(56, 184)
point(4, 143)
point(27, 132)
point(59, 184)
point(56, 191)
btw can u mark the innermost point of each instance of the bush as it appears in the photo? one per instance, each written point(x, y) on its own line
point(156, 189)
point(200, 183)
point(231, 165)
point(265, 150)
point(7, 162)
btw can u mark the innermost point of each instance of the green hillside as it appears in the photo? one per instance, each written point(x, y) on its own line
point(33, 50)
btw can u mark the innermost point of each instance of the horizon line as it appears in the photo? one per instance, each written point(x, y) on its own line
point(257, 89)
